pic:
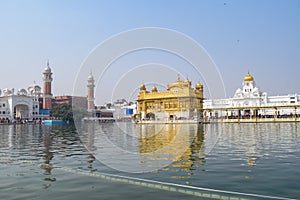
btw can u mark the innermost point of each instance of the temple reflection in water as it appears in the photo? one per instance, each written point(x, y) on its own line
point(181, 144)
point(145, 148)
point(177, 149)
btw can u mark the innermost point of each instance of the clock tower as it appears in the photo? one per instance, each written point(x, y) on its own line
point(47, 96)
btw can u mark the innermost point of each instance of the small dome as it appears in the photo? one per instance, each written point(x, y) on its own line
point(22, 92)
point(248, 77)
point(154, 89)
point(198, 86)
point(34, 89)
point(90, 77)
point(47, 68)
point(187, 80)
point(143, 87)
point(7, 92)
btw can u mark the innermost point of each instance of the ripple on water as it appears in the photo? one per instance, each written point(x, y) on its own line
point(246, 158)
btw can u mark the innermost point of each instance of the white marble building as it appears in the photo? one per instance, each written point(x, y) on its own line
point(250, 101)
point(20, 105)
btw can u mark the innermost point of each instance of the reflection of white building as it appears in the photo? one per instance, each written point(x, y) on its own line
point(250, 101)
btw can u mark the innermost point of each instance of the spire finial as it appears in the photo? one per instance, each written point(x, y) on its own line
point(48, 63)
point(178, 77)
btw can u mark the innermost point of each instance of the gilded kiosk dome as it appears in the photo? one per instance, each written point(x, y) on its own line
point(248, 77)
point(154, 89)
point(143, 87)
point(198, 86)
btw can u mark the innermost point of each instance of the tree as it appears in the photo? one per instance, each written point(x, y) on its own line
point(65, 112)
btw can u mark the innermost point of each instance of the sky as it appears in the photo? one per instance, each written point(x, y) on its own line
point(259, 36)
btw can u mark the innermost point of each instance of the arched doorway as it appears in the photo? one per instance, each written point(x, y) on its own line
point(21, 111)
point(150, 116)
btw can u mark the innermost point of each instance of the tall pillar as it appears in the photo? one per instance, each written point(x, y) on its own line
point(47, 96)
point(90, 96)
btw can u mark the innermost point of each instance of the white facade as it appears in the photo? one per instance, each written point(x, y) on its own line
point(22, 105)
point(124, 110)
point(250, 101)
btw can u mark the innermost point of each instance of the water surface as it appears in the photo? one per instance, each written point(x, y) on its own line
point(43, 162)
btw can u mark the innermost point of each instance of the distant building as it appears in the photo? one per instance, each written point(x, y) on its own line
point(180, 101)
point(78, 101)
point(27, 105)
point(22, 105)
point(90, 96)
point(124, 110)
point(250, 102)
point(97, 113)
point(104, 113)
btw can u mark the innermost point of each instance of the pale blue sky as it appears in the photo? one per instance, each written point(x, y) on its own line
point(260, 36)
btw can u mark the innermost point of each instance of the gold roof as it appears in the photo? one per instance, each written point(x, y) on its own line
point(248, 77)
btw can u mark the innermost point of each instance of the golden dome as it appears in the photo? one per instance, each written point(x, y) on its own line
point(248, 77)
point(154, 89)
point(143, 87)
point(198, 86)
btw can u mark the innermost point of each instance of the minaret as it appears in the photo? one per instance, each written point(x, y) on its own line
point(90, 97)
point(47, 96)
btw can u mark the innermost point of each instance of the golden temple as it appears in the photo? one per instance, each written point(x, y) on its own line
point(179, 103)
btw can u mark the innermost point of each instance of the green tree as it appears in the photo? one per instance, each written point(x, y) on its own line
point(65, 112)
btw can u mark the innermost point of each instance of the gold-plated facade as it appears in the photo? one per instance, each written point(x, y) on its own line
point(180, 101)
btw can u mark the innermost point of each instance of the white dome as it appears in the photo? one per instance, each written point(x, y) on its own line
point(47, 68)
point(22, 92)
point(34, 89)
point(90, 77)
point(7, 91)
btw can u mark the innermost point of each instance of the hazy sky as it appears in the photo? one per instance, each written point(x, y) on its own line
point(260, 36)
